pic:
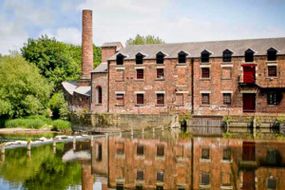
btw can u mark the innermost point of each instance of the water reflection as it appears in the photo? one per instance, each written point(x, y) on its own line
point(118, 162)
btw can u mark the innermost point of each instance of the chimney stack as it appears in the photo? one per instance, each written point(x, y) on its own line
point(87, 45)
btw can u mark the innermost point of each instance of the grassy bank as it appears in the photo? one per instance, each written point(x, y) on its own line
point(38, 122)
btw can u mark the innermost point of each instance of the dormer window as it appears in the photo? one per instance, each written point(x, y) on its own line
point(182, 57)
point(271, 54)
point(160, 58)
point(249, 55)
point(139, 58)
point(205, 56)
point(120, 59)
point(227, 56)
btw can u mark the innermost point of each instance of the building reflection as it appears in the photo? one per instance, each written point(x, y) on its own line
point(198, 163)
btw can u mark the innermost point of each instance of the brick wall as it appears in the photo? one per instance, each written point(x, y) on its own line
point(107, 52)
point(177, 79)
point(99, 80)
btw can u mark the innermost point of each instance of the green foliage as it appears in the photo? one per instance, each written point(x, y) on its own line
point(184, 117)
point(61, 125)
point(43, 170)
point(58, 106)
point(23, 91)
point(25, 123)
point(57, 61)
point(140, 40)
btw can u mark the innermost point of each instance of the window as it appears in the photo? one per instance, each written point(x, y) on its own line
point(227, 56)
point(120, 148)
point(160, 58)
point(119, 186)
point(99, 95)
point(205, 98)
point(160, 73)
point(271, 183)
point(272, 70)
point(140, 175)
point(226, 72)
point(179, 101)
point(271, 54)
point(140, 99)
point(160, 99)
point(140, 73)
point(205, 56)
point(227, 153)
point(205, 178)
point(120, 59)
point(274, 98)
point(160, 176)
point(182, 57)
point(206, 72)
point(249, 55)
point(139, 187)
point(139, 58)
point(205, 153)
point(120, 98)
point(227, 98)
point(158, 187)
point(160, 150)
point(140, 150)
point(98, 151)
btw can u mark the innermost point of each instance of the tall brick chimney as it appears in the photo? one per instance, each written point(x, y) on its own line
point(87, 45)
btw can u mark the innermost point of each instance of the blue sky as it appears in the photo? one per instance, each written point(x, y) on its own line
point(118, 20)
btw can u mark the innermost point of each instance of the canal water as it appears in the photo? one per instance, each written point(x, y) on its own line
point(154, 160)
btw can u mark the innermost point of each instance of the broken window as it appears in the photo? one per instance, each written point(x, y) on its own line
point(160, 176)
point(160, 73)
point(160, 99)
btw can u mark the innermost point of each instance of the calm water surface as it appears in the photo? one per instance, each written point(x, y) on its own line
point(147, 161)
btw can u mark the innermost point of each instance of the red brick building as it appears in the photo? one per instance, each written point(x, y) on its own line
point(204, 78)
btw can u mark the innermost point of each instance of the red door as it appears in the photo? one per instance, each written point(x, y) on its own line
point(248, 151)
point(248, 102)
point(248, 180)
point(248, 74)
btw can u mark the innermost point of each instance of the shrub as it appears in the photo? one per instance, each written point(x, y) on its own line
point(25, 123)
point(61, 125)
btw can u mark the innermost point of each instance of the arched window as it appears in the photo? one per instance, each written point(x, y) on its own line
point(249, 55)
point(160, 58)
point(227, 56)
point(271, 54)
point(182, 57)
point(139, 58)
point(120, 59)
point(98, 95)
point(205, 56)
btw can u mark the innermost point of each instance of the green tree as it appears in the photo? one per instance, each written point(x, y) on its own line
point(140, 40)
point(56, 60)
point(58, 106)
point(23, 91)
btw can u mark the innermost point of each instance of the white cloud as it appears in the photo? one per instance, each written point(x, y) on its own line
point(69, 35)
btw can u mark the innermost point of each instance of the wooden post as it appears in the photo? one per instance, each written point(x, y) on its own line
point(121, 134)
point(54, 146)
point(91, 141)
point(74, 143)
point(29, 145)
point(3, 149)
point(254, 127)
point(132, 132)
point(153, 132)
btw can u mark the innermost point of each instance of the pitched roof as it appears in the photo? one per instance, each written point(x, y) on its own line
point(71, 87)
point(238, 47)
point(101, 68)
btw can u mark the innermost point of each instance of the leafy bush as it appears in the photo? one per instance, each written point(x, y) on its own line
point(61, 125)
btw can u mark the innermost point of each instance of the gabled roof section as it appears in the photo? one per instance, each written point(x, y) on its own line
point(272, 50)
point(249, 51)
point(161, 53)
point(101, 68)
point(205, 51)
point(71, 87)
point(260, 46)
point(183, 53)
point(227, 51)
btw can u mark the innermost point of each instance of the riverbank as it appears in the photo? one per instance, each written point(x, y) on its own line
point(25, 131)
